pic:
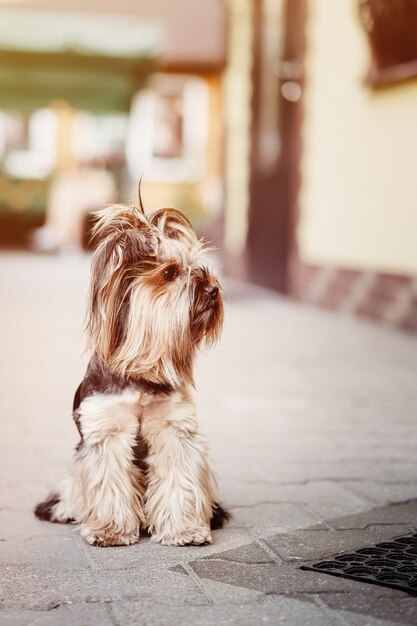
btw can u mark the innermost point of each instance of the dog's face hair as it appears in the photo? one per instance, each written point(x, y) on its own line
point(153, 302)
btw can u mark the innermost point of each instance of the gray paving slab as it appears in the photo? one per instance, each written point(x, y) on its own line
point(148, 556)
point(264, 517)
point(384, 609)
point(389, 514)
point(66, 614)
point(312, 545)
point(47, 551)
point(326, 498)
point(43, 589)
point(36, 588)
point(379, 493)
point(17, 523)
point(272, 610)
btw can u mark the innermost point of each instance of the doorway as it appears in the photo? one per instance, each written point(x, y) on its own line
point(278, 80)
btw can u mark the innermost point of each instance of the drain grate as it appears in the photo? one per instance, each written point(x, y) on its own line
point(391, 564)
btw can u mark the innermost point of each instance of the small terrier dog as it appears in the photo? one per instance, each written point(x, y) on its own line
point(141, 463)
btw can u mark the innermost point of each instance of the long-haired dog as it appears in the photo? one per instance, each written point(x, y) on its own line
point(141, 463)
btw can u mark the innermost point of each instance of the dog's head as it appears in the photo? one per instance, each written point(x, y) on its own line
point(153, 301)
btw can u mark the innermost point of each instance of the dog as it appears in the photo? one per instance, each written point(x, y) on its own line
point(141, 464)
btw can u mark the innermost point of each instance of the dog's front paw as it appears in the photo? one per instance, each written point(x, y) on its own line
point(105, 538)
point(191, 536)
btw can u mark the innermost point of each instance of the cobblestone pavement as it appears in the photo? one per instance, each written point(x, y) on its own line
point(312, 422)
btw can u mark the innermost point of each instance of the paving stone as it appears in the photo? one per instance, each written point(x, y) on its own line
point(324, 498)
point(272, 610)
point(150, 555)
point(23, 494)
point(252, 554)
point(397, 608)
point(354, 619)
point(42, 552)
point(351, 468)
point(21, 525)
point(328, 511)
point(311, 469)
point(395, 513)
point(30, 587)
point(382, 493)
point(266, 515)
point(66, 614)
point(311, 545)
point(222, 593)
point(163, 587)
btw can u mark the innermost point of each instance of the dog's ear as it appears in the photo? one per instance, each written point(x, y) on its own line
point(125, 240)
point(126, 229)
point(173, 224)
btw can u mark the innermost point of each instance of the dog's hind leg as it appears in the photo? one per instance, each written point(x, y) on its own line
point(182, 490)
point(108, 487)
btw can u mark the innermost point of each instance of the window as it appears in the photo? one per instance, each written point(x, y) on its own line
point(391, 26)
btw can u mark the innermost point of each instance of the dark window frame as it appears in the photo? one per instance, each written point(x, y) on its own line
point(391, 27)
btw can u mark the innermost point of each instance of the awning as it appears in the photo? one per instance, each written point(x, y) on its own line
point(94, 62)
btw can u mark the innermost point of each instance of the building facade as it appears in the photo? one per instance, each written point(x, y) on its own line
point(331, 210)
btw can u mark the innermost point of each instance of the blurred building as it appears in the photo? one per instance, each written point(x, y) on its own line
point(325, 204)
point(119, 88)
point(286, 129)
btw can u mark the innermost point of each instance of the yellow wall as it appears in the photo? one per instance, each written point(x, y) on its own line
point(237, 120)
point(359, 166)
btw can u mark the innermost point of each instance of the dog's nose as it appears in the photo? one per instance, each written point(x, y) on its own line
point(213, 292)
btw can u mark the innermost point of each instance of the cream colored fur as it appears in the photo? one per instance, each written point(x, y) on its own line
point(108, 496)
point(107, 489)
point(181, 484)
point(64, 511)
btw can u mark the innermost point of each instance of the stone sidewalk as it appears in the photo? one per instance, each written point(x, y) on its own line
point(312, 423)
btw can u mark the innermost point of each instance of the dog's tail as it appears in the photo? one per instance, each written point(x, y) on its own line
point(219, 516)
point(55, 507)
point(44, 510)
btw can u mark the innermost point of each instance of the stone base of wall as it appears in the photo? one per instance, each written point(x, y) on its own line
point(391, 298)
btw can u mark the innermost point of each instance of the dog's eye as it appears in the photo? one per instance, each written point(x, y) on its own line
point(171, 273)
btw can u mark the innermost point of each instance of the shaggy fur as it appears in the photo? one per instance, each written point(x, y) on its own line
point(141, 463)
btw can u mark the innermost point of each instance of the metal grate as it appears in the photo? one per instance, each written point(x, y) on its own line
point(391, 564)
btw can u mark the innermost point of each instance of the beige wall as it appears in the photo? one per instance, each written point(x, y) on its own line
point(359, 167)
point(237, 121)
